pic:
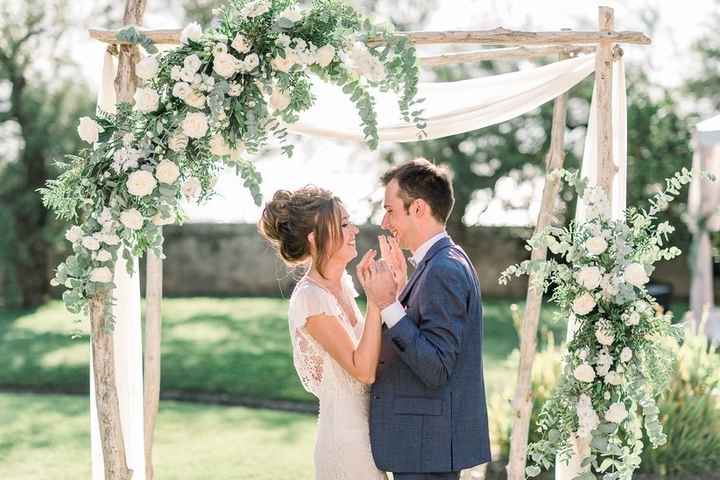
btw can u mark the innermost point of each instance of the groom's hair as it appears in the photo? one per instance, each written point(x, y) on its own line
point(421, 179)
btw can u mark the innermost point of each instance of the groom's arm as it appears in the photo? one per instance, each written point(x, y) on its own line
point(430, 344)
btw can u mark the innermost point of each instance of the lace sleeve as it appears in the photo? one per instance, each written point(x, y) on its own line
point(308, 356)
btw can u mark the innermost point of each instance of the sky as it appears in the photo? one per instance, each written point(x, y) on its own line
point(351, 170)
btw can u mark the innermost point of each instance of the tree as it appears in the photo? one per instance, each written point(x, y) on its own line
point(38, 114)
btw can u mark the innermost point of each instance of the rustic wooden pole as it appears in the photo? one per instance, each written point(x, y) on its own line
point(153, 321)
point(522, 400)
point(603, 79)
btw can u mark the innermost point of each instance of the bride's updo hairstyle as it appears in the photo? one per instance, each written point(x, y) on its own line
point(290, 217)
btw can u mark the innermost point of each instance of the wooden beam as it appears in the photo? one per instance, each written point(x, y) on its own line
point(151, 353)
point(603, 80)
point(498, 36)
point(511, 53)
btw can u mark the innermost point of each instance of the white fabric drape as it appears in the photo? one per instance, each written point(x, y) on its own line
point(127, 342)
point(450, 107)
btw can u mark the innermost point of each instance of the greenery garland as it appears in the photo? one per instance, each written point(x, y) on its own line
point(219, 96)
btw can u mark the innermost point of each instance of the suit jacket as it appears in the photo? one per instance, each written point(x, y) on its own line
point(427, 409)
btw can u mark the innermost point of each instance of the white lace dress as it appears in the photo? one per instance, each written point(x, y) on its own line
point(342, 449)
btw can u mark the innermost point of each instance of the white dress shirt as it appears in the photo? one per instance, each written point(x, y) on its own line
point(395, 312)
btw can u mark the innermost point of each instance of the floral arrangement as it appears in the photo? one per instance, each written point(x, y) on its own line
point(219, 96)
point(621, 346)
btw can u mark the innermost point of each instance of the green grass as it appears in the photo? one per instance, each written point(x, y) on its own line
point(239, 346)
point(47, 437)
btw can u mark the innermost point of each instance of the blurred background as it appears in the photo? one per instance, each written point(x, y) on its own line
point(233, 407)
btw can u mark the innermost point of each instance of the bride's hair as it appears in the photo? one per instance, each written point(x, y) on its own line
point(290, 217)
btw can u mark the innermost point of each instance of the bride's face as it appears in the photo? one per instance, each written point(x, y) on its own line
point(347, 250)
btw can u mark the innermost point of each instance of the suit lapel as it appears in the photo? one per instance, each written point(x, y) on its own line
point(437, 246)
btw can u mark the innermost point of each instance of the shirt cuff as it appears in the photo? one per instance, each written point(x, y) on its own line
point(392, 314)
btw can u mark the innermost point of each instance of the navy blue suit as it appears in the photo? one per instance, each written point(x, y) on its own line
point(428, 412)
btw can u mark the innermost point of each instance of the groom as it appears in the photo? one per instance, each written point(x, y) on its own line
point(428, 418)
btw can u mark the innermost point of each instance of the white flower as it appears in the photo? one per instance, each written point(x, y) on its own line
point(103, 256)
point(101, 275)
point(159, 219)
point(554, 246)
point(632, 319)
point(589, 277)
point(616, 413)
point(588, 419)
point(279, 100)
point(584, 373)
point(146, 100)
point(583, 304)
point(218, 146)
point(282, 64)
point(614, 378)
point(283, 40)
point(191, 188)
point(596, 245)
point(132, 219)
point(195, 100)
point(178, 142)
point(240, 43)
point(291, 14)
point(89, 130)
point(189, 76)
point(195, 125)
point(90, 243)
point(219, 48)
point(192, 32)
point(147, 68)
point(125, 159)
point(609, 287)
point(325, 55)
point(235, 89)
point(109, 238)
point(583, 354)
point(635, 275)
point(603, 334)
point(603, 362)
point(626, 355)
point(192, 63)
point(181, 90)
point(141, 183)
point(74, 234)
point(167, 172)
point(225, 65)
point(255, 9)
point(175, 72)
point(250, 62)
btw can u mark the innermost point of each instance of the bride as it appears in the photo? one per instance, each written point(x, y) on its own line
point(335, 349)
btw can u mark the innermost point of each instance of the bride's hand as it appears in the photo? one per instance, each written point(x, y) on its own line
point(391, 252)
point(363, 268)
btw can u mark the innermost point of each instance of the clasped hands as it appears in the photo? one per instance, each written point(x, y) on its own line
point(383, 279)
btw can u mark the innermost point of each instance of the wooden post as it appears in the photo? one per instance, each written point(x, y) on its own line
point(603, 79)
point(153, 321)
point(522, 400)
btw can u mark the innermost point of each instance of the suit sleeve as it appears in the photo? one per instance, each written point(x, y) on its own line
point(430, 344)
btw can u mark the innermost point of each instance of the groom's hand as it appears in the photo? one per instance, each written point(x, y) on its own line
point(381, 288)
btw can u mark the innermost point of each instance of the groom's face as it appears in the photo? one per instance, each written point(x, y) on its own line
point(397, 220)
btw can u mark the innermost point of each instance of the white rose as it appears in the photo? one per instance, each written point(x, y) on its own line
point(192, 63)
point(195, 125)
point(175, 72)
point(235, 89)
point(147, 68)
point(191, 188)
point(635, 275)
point(146, 100)
point(614, 378)
point(603, 334)
point(240, 43)
point(218, 146)
point(219, 48)
point(141, 183)
point(632, 319)
point(101, 275)
point(255, 9)
point(181, 90)
point(291, 14)
point(132, 219)
point(189, 76)
point(616, 413)
point(110, 239)
point(279, 100)
point(195, 100)
point(225, 65)
point(596, 245)
point(90, 243)
point(589, 277)
point(282, 64)
point(167, 172)
point(89, 130)
point(178, 142)
point(626, 355)
point(74, 234)
point(250, 62)
point(192, 32)
point(584, 373)
point(103, 256)
point(325, 55)
point(583, 304)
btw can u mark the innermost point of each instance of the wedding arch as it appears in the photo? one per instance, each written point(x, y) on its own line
point(125, 376)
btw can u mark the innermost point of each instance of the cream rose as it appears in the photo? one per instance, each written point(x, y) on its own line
point(218, 146)
point(240, 43)
point(282, 64)
point(74, 234)
point(325, 55)
point(101, 275)
point(90, 243)
point(255, 9)
point(89, 130)
point(109, 238)
point(146, 100)
point(614, 378)
point(250, 62)
point(103, 256)
point(603, 336)
point(195, 125)
point(632, 319)
point(596, 245)
point(191, 32)
point(132, 219)
point(583, 304)
point(147, 68)
point(141, 183)
point(225, 65)
point(181, 90)
point(167, 172)
point(635, 275)
point(279, 100)
point(192, 63)
point(589, 277)
point(196, 100)
point(178, 142)
point(626, 355)
point(584, 373)
point(616, 413)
